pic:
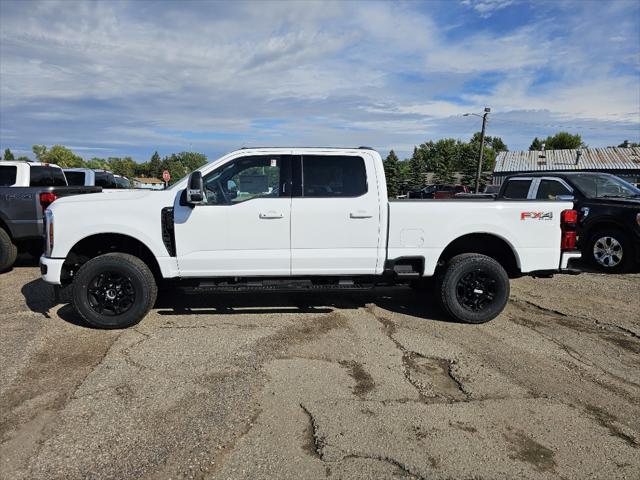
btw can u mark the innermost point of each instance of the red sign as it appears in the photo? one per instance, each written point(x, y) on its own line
point(165, 176)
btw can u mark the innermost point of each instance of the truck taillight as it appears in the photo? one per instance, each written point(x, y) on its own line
point(48, 225)
point(568, 221)
point(46, 199)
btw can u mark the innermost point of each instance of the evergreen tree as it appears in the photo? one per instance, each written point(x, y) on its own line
point(8, 156)
point(417, 170)
point(155, 166)
point(392, 174)
point(536, 144)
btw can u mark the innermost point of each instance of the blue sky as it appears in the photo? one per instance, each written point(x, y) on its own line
point(129, 77)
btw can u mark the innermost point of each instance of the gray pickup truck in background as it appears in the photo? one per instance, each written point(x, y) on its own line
point(26, 189)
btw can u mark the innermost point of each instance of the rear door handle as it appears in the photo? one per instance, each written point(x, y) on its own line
point(271, 214)
point(360, 214)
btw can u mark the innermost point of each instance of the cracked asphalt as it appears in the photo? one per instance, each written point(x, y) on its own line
point(334, 385)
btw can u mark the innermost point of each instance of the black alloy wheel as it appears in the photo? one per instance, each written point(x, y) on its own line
point(476, 290)
point(111, 293)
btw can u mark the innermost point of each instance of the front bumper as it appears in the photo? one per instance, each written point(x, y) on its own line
point(51, 269)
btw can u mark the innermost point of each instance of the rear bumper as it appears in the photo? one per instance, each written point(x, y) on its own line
point(565, 266)
point(567, 257)
point(51, 269)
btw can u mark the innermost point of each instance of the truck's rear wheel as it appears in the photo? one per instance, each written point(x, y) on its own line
point(610, 251)
point(8, 251)
point(474, 288)
point(115, 290)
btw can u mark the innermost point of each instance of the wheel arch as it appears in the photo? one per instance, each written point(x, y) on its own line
point(99, 243)
point(489, 244)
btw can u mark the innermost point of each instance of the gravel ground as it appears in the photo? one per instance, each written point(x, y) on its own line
point(371, 385)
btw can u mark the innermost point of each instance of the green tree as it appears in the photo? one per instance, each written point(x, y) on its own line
point(559, 141)
point(497, 144)
point(155, 166)
point(8, 156)
point(627, 144)
point(470, 155)
point(417, 170)
point(39, 151)
point(175, 167)
point(564, 141)
point(536, 144)
point(122, 166)
point(24, 158)
point(98, 164)
point(191, 160)
point(61, 156)
point(392, 174)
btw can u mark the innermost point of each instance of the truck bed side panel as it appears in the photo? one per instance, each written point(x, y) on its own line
point(426, 228)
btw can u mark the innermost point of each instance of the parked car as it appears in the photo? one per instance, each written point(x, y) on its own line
point(26, 189)
point(608, 207)
point(90, 178)
point(439, 191)
point(308, 219)
point(122, 182)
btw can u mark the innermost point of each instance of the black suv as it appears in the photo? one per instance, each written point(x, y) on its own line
point(608, 212)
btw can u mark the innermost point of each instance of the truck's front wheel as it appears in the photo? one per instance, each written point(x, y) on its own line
point(474, 288)
point(114, 290)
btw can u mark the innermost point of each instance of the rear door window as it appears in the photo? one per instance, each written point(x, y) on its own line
point(550, 189)
point(333, 176)
point(517, 189)
point(75, 178)
point(8, 174)
point(45, 176)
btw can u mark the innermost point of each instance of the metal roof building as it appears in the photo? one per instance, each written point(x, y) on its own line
point(623, 162)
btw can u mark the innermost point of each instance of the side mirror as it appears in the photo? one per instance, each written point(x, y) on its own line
point(195, 189)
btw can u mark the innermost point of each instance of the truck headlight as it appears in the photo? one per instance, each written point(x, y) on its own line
point(48, 218)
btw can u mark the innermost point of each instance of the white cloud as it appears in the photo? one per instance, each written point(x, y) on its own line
point(486, 8)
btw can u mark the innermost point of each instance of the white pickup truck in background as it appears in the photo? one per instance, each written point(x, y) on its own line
point(296, 218)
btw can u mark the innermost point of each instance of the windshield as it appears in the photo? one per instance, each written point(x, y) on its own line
point(605, 186)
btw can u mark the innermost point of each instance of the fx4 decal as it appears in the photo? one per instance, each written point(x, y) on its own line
point(536, 215)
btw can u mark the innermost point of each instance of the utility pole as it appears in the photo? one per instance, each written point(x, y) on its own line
point(487, 110)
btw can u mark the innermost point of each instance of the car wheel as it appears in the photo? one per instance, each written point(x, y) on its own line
point(610, 251)
point(8, 251)
point(474, 288)
point(115, 290)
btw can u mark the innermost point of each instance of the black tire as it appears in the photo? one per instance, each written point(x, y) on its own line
point(8, 251)
point(474, 288)
point(114, 290)
point(610, 250)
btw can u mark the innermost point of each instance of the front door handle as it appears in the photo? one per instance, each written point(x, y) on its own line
point(271, 214)
point(360, 214)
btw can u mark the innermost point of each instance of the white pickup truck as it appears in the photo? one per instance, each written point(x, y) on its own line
point(296, 218)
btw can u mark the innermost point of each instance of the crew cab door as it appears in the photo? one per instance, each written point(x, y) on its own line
point(335, 215)
point(243, 228)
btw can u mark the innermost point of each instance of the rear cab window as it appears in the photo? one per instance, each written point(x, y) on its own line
point(75, 178)
point(549, 189)
point(333, 176)
point(517, 188)
point(46, 176)
point(8, 175)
